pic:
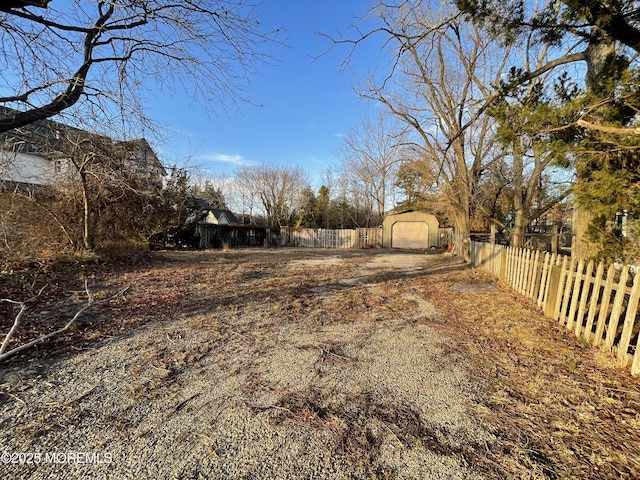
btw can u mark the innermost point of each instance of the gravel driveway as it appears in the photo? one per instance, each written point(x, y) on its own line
point(298, 365)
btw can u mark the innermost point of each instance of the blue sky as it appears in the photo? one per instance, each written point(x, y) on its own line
point(300, 106)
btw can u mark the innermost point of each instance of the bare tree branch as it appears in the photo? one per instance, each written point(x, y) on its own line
point(91, 302)
point(608, 129)
point(17, 320)
point(53, 59)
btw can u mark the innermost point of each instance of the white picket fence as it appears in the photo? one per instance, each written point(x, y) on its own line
point(599, 305)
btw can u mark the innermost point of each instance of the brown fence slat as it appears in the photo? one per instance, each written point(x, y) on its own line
point(574, 294)
point(604, 306)
point(593, 304)
point(584, 296)
point(629, 323)
point(612, 327)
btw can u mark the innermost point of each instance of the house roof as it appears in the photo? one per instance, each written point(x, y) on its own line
point(51, 139)
point(197, 202)
point(231, 218)
point(44, 138)
point(194, 201)
point(139, 150)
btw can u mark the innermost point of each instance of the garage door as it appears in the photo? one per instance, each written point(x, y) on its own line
point(410, 235)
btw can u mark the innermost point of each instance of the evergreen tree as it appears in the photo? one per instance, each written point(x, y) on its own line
point(598, 121)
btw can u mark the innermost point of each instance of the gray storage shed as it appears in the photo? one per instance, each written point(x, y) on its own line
point(411, 229)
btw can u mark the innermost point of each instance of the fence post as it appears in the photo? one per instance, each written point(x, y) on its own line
point(503, 265)
point(555, 237)
point(554, 282)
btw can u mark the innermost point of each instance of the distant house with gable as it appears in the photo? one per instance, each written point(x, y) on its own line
point(216, 216)
point(218, 227)
point(210, 215)
point(38, 153)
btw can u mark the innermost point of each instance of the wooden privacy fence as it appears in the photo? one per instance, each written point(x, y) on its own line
point(216, 236)
point(321, 238)
point(599, 305)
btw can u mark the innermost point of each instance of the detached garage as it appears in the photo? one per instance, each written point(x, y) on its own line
point(410, 230)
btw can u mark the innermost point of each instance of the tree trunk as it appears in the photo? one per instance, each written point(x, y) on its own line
point(582, 247)
point(519, 225)
point(462, 236)
point(600, 53)
point(87, 231)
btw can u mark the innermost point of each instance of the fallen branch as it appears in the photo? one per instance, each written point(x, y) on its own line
point(327, 351)
point(4, 354)
point(18, 319)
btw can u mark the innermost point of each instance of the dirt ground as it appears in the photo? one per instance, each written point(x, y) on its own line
point(302, 363)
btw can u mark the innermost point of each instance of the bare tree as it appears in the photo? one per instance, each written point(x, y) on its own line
point(601, 128)
point(442, 67)
point(245, 192)
point(87, 161)
point(280, 190)
point(101, 52)
point(370, 155)
point(213, 189)
point(447, 74)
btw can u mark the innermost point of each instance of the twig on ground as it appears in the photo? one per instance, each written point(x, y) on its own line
point(14, 397)
point(181, 405)
point(18, 319)
point(91, 301)
point(73, 400)
point(329, 352)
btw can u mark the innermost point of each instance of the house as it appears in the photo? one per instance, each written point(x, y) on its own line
point(210, 215)
point(37, 154)
point(410, 229)
point(140, 158)
point(219, 228)
point(216, 216)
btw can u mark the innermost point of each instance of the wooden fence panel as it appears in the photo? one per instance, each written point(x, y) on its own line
point(558, 299)
point(534, 281)
point(612, 327)
point(550, 261)
point(524, 269)
point(583, 297)
point(604, 306)
point(516, 268)
point(543, 292)
point(566, 297)
point(322, 238)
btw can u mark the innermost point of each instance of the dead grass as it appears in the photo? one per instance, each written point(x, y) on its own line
point(296, 342)
point(558, 410)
